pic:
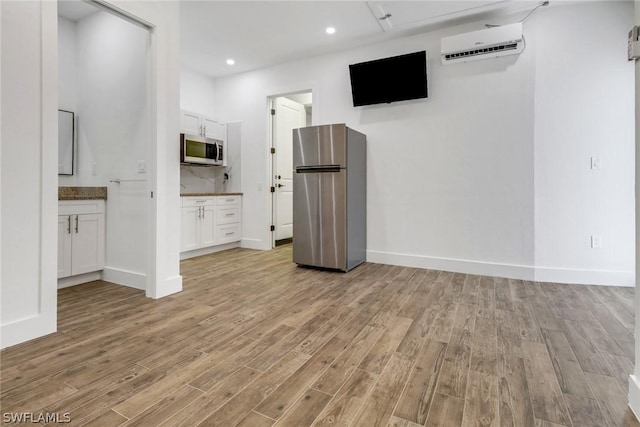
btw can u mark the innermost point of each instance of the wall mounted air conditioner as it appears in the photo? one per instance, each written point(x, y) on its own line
point(488, 43)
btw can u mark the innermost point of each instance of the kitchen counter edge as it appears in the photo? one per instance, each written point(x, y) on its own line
point(208, 194)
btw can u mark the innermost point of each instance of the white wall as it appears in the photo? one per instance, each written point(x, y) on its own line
point(452, 179)
point(584, 107)
point(67, 65)
point(29, 143)
point(197, 92)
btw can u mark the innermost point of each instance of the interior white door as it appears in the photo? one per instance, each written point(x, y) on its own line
point(289, 115)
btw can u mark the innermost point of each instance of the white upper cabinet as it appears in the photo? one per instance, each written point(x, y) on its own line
point(190, 123)
point(197, 124)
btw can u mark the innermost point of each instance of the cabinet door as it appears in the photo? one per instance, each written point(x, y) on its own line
point(64, 245)
point(190, 123)
point(190, 228)
point(87, 241)
point(207, 226)
point(213, 128)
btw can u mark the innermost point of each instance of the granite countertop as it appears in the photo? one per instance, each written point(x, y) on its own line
point(82, 193)
point(209, 194)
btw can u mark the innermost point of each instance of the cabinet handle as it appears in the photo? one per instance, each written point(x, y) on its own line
point(202, 212)
point(229, 200)
point(199, 211)
point(76, 224)
point(231, 233)
point(204, 132)
point(69, 224)
point(229, 214)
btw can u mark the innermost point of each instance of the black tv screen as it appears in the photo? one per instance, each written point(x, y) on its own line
point(397, 78)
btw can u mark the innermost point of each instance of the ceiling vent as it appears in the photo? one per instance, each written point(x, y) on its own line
point(488, 43)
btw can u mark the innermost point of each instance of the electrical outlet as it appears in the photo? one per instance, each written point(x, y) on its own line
point(142, 166)
point(596, 163)
point(94, 169)
point(596, 242)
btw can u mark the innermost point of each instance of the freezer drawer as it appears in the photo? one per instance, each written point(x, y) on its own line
point(319, 218)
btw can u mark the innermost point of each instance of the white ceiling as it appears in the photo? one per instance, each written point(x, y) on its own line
point(257, 34)
point(75, 10)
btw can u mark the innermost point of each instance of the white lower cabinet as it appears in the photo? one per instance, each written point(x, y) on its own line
point(81, 237)
point(227, 219)
point(209, 221)
point(197, 222)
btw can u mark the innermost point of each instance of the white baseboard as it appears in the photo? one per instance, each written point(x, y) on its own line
point(125, 278)
point(26, 329)
point(258, 244)
point(511, 271)
point(634, 395)
point(456, 265)
point(585, 277)
point(66, 282)
point(171, 285)
point(210, 250)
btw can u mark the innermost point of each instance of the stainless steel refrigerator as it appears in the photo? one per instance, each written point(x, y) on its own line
point(329, 197)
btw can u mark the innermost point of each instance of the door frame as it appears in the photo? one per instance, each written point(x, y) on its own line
point(271, 142)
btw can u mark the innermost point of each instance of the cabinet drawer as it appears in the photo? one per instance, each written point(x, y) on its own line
point(227, 233)
point(227, 200)
point(75, 207)
point(188, 202)
point(227, 215)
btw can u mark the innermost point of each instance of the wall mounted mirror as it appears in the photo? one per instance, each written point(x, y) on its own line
point(66, 142)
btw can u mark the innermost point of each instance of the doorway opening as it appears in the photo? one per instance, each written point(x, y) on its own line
point(287, 112)
point(106, 77)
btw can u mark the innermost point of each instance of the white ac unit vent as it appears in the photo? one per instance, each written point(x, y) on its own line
point(489, 43)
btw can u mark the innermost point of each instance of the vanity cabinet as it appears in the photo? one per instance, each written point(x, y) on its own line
point(81, 237)
point(197, 124)
point(209, 221)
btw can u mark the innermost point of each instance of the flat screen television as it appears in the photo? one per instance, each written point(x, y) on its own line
point(398, 78)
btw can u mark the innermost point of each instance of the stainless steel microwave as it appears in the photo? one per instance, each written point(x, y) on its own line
point(198, 150)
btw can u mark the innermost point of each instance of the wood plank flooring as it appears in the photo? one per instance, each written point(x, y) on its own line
point(254, 340)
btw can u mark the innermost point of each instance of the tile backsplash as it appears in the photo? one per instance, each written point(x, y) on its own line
point(202, 179)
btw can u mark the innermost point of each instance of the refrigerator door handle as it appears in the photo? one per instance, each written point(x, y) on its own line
point(318, 168)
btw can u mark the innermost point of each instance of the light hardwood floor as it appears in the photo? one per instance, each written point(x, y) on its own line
point(255, 341)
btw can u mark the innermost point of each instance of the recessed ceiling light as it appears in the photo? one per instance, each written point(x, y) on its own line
point(330, 30)
point(230, 61)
